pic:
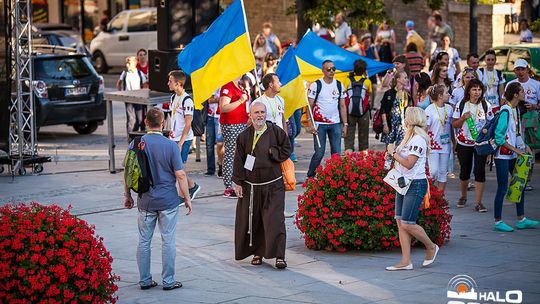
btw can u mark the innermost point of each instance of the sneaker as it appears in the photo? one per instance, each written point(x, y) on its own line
point(229, 193)
point(526, 223)
point(471, 186)
point(502, 227)
point(293, 157)
point(461, 203)
point(528, 187)
point(220, 171)
point(480, 208)
point(194, 190)
point(451, 175)
point(182, 201)
point(288, 214)
point(208, 174)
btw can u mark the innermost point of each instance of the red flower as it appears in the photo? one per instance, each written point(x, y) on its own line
point(346, 205)
point(44, 249)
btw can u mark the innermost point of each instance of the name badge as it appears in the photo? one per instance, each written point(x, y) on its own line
point(250, 162)
point(444, 138)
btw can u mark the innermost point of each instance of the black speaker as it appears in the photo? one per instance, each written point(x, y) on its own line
point(160, 64)
point(181, 20)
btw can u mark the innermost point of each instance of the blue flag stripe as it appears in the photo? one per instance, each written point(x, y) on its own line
point(287, 69)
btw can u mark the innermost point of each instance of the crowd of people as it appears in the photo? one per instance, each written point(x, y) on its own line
point(432, 109)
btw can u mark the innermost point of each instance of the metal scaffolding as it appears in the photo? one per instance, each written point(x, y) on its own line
point(22, 122)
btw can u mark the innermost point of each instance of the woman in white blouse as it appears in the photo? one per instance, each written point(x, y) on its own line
point(410, 160)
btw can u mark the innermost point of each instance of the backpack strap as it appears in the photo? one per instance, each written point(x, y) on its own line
point(140, 78)
point(319, 88)
point(123, 79)
point(184, 104)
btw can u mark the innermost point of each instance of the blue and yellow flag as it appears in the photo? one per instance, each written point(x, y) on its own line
point(219, 55)
point(293, 90)
point(312, 50)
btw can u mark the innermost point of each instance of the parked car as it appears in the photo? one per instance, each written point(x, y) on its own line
point(508, 54)
point(67, 89)
point(59, 34)
point(126, 33)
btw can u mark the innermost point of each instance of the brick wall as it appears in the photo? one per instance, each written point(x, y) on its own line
point(274, 11)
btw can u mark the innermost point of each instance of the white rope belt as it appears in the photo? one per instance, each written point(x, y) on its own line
point(250, 229)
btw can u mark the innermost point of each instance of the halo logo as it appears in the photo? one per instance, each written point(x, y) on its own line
point(464, 288)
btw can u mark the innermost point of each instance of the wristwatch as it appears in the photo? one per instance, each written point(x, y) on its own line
point(346, 124)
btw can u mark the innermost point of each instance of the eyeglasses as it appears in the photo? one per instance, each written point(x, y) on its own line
point(333, 69)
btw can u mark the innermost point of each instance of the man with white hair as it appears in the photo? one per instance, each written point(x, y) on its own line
point(343, 30)
point(260, 223)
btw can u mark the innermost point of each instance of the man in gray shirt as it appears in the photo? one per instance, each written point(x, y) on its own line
point(161, 203)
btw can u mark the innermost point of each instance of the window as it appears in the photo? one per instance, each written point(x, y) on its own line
point(153, 21)
point(501, 55)
point(138, 21)
point(515, 54)
point(117, 24)
point(62, 68)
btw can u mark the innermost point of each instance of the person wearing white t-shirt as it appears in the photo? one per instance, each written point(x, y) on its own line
point(410, 161)
point(343, 30)
point(510, 144)
point(132, 79)
point(326, 98)
point(439, 120)
point(182, 107)
point(493, 79)
point(275, 106)
point(532, 94)
point(473, 107)
point(454, 67)
point(459, 92)
point(473, 63)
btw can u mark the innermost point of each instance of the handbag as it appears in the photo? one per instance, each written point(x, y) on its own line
point(393, 179)
point(289, 178)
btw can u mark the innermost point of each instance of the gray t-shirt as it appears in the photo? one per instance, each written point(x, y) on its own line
point(164, 158)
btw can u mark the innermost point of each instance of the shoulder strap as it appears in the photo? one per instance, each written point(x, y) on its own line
point(461, 107)
point(123, 79)
point(184, 104)
point(319, 88)
point(485, 106)
point(338, 83)
point(140, 78)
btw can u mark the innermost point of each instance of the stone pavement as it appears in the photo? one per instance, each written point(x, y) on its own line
point(205, 263)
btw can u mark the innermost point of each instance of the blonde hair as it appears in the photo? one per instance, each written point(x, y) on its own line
point(415, 124)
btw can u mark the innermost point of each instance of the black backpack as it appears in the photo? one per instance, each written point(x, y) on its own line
point(198, 125)
point(359, 106)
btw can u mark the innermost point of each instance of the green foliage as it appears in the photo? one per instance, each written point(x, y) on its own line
point(360, 13)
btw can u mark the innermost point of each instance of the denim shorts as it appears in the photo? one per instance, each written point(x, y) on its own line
point(408, 205)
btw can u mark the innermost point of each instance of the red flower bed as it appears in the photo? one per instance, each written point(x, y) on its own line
point(48, 255)
point(347, 205)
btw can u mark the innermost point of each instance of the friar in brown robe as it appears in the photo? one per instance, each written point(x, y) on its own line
point(260, 223)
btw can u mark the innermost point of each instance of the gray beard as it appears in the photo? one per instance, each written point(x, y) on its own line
point(259, 123)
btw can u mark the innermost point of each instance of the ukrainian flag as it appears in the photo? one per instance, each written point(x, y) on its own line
point(219, 55)
point(312, 50)
point(293, 90)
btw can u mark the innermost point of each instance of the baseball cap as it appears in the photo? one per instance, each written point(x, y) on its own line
point(521, 63)
point(409, 23)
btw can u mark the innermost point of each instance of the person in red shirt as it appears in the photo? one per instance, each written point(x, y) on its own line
point(233, 103)
point(142, 61)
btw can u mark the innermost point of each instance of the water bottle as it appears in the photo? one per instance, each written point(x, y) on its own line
point(388, 164)
point(472, 128)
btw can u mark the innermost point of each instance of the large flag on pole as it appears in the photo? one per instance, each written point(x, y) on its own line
point(312, 50)
point(219, 55)
point(293, 90)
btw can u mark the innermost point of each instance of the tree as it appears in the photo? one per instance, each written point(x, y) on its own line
point(360, 13)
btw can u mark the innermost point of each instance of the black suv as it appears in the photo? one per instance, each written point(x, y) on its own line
point(67, 89)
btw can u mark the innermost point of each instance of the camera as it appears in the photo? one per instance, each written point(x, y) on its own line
point(401, 182)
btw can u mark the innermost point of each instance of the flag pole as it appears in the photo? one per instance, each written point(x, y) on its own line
point(257, 80)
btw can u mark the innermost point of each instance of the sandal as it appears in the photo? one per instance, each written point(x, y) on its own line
point(174, 286)
point(281, 264)
point(480, 208)
point(257, 260)
point(461, 203)
point(153, 284)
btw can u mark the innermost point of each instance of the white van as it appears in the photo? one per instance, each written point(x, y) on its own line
point(125, 34)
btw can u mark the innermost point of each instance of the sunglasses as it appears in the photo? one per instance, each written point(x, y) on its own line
point(331, 69)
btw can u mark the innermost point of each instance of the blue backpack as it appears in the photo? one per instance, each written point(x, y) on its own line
point(485, 142)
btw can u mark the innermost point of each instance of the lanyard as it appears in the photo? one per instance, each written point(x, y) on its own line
point(154, 132)
point(256, 137)
point(516, 119)
point(491, 81)
point(477, 106)
point(177, 103)
point(271, 103)
point(438, 114)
